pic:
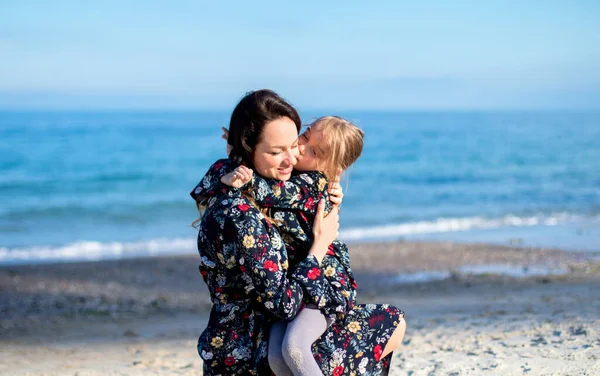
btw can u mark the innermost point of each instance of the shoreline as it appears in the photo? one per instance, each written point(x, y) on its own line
point(140, 316)
point(355, 247)
point(568, 236)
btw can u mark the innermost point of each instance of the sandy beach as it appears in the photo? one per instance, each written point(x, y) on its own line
point(471, 309)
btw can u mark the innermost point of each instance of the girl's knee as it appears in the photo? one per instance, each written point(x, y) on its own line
point(294, 352)
point(402, 325)
point(396, 337)
point(399, 331)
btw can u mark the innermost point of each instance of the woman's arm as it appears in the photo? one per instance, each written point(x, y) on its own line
point(263, 260)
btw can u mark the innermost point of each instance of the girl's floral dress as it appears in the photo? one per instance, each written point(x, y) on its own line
point(353, 344)
point(245, 265)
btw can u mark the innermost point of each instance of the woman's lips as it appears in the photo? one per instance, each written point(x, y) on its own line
point(287, 170)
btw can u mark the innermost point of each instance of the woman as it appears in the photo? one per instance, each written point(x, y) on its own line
point(361, 336)
point(243, 260)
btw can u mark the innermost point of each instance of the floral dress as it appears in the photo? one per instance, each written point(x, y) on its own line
point(244, 263)
point(353, 344)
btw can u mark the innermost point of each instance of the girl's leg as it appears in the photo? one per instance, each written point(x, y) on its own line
point(275, 356)
point(301, 332)
point(396, 338)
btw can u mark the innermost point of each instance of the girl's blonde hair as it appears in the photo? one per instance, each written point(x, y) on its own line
point(344, 142)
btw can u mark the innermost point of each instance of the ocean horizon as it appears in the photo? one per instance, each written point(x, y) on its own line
point(96, 185)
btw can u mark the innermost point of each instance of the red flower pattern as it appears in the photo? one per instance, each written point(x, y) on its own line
point(314, 273)
point(229, 361)
point(271, 266)
point(377, 351)
point(310, 203)
point(337, 371)
point(330, 251)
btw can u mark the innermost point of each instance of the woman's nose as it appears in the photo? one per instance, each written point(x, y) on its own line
point(292, 157)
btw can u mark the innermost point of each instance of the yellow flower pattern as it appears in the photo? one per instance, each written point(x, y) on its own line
point(217, 342)
point(248, 241)
point(276, 190)
point(329, 272)
point(321, 184)
point(354, 327)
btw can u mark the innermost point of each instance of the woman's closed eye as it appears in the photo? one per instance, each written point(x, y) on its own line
point(279, 151)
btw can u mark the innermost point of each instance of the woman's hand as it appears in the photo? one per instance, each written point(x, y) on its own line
point(335, 193)
point(238, 177)
point(325, 230)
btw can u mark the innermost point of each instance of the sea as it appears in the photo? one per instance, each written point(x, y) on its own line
point(84, 185)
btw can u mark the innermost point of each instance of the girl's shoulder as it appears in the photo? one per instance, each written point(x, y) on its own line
point(313, 180)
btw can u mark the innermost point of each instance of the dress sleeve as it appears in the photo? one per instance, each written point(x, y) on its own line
point(211, 182)
point(301, 192)
point(263, 260)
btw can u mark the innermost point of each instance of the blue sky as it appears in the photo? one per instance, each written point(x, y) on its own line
point(338, 55)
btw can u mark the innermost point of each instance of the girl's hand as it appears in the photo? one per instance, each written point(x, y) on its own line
point(335, 193)
point(325, 230)
point(238, 177)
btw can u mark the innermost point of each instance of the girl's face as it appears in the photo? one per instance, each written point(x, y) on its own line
point(277, 152)
point(312, 155)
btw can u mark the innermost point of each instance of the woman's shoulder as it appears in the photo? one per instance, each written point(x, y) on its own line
point(211, 182)
point(234, 209)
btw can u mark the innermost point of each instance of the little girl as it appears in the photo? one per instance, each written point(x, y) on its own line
point(327, 148)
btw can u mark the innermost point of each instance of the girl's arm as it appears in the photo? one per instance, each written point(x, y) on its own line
point(301, 192)
point(211, 183)
point(298, 193)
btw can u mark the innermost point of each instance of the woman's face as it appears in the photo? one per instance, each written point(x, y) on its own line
point(312, 155)
point(277, 152)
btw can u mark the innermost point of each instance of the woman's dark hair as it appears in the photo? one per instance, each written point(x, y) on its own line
point(249, 118)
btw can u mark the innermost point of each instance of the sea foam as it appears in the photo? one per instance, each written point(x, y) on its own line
point(94, 250)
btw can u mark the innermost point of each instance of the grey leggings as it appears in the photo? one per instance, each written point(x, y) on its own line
point(290, 344)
